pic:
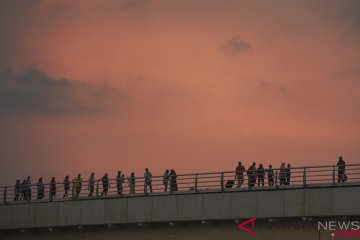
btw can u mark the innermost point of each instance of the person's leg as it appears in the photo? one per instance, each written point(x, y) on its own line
point(150, 187)
point(241, 180)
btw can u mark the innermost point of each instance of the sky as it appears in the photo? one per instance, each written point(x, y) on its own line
point(107, 85)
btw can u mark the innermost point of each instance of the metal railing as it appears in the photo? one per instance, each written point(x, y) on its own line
point(300, 177)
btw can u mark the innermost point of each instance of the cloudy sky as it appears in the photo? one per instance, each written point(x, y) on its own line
point(195, 85)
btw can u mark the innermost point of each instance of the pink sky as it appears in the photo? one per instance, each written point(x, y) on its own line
point(191, 85)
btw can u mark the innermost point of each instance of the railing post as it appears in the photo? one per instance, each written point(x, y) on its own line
point(73, 190)
point(5, 193)
point(304, 177)
point(196, 183)
point(97, 188)
point(222, 181)
point(333, 175)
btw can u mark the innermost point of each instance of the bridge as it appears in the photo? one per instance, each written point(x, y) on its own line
point(202, 208)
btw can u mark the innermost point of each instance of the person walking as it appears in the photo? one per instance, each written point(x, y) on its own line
point(52, 189)
point(131, 181)
point(78, 184)
point(40, 188)
point(288, 174)
point(173, 181)
point(119, 183)
point(239, 174)
point(23, 190)
point(106, 184)
point(252, 175)
point(270, 173)
point(147, 180)
point(66, 186)
point(28, 189)
point(341, 170)
point(282, 174)
point(166, 179)
point(260, 174)
point(17, 190)
point(91, 184)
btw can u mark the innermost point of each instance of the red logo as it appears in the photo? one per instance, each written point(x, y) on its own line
point(243, 224)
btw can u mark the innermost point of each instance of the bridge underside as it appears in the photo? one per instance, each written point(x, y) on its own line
point(278, 229)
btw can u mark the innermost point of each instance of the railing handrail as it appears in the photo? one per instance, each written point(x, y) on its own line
point(111, 180)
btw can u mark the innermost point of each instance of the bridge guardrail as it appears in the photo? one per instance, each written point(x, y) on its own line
point(301, 177)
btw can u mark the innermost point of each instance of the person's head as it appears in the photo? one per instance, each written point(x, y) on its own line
point(92, 174)
point(289, 165)
point(53, 179)
point(167, 171)
point(254, 164)
point(67, 177)
point(270, 166)
point(106, 175)
point(260, 165)
point(119, 173)
point(40, 179)
point(133, 174)
point(79, 175)
point(239, 163)
point(17, 181)
point(28, 177)
point(146, 170)
point(123, 175)
point(340, 158)
point(283, 164)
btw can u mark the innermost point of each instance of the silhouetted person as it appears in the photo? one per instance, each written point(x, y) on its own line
point(282, 174)
point(66, 186)
point(260, 174)
point(52, 189)
point(23, 190)
point(166, 179)
point(17, 190)
point(288, 174)
point(131, 181)
point(106, 184)
point(28, 189)
point(252, 175)
point(239, 174)
point(91, 184)
point(148, 180)
point(173, 181)
point(78, 184)
point(341, 170)
point(270, 173)
point(40, 189)
point(119, 183)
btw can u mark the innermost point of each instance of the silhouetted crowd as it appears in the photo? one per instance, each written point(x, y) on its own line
point(23, 189)
point(257, 174)
point(169, 180)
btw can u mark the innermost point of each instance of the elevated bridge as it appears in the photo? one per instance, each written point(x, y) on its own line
point(207, 211)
